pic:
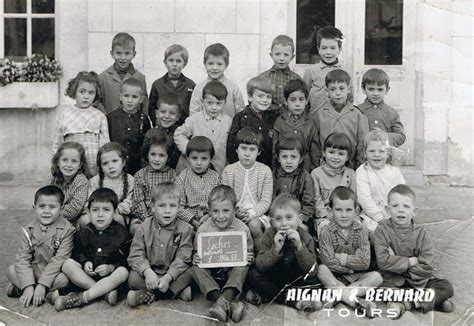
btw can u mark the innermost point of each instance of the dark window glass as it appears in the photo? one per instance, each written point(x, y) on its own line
point(43, 36)
point(311, 15)
point(15, 38)
point(383, 32)
point(14, 6)
point(42, 6)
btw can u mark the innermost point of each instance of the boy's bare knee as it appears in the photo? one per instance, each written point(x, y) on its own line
point(69, 266)
point(11, 273)
point(59, 282)
point(255, 227)
point(122, 273)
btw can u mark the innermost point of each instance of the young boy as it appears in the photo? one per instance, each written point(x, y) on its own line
point(216, 61)
point(99, 256)
point(375, 84)
point(197, 181)
point(123, 52)
point(173, 82)
point(296, 121)
point(286, 253)
point(211, 123)
point(128, 124)
point(252, 182)
point(45, 244)
point(329, 42)
point(345, 251)
point(339, 115)
point(168, 117)
point(405, 254)
point(161, 251)
point(259, 114)
point(223, 285)
point(282, 52)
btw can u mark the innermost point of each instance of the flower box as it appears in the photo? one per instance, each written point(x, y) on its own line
point(29, 95)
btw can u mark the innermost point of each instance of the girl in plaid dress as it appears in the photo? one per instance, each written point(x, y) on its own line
point(83, 123)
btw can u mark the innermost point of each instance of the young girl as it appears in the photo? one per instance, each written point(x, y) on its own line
point(332, 173)
point(291, 177)
point(111, 164)
point(156, 152)
point(82, 123)
point(375, 178)
point(70, 173)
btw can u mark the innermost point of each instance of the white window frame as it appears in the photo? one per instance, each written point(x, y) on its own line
point(29, 15)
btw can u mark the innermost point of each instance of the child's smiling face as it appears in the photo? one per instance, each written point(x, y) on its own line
point(215, 66)
point(131, 97)
point(167, 115)
point(329, 50)
point(260, 101)
point(335, 157)
point(47, 209)
point(377, 154)
point(123, 55)
point(85, 94)
point(157, 157)
point(401, 209)
point(222, 213)
point(69, 163)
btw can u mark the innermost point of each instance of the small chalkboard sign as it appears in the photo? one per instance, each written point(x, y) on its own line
point(222, 249)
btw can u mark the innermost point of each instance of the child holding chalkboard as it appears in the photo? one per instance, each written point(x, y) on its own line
point(223, 285)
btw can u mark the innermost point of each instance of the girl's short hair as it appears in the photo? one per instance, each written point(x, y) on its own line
point(337, 76)
point(338, 140)
point(84, 76)
point(177, 48)
point(295, 85)
point(200, 144)
point(217, 50)
point(58, 178)
point(375, 76)
point(381, 136)
point(290, 143)
point(261, 83)
point(283, 201)
point(215, 88)
point(158, 140)
point(222, 193)
point(342, 193)
point(330, 33)
point(249, 136)
point(50, 190)
point(168, 189)
point(103, 195)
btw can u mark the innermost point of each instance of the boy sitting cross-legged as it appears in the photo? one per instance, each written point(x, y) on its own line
point(161, 251)
point(345, 251)
point(99, 256)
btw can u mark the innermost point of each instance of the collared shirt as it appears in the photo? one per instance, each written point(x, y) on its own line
point(164, 249)
point(128, 130)
point(385, 117)
point(183, 89)
point(263, 122)
point(110, 83)
point(158, 130)
point(279, 78)
point(109, 246)
point(42, 254)
point(145, 180)
point(315, 79)
point(75, 197)
point(201, 124)
point(234, 102)
point(354, 248)
point(117, 185)
point(195, 189)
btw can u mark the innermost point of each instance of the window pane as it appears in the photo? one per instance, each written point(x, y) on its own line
point(14, 6)
point(383, 32)
point(311, 15)
point(15, 38)
point(42, 6)
point(43, 36)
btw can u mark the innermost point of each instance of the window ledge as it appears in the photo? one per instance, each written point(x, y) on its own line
point(29, 95)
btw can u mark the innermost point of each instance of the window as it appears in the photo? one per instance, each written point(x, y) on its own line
point(383, 32)
point(311, 15)
point(26, 28)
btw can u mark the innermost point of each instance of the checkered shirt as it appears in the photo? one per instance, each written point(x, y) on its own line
point(279, 78)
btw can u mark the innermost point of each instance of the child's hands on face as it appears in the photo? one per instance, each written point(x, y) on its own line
point(27, 295)
point(196, 259)
point(39, 294)
point(151, 279)
point(104, 269)
point(89, 268)
point(294, 238)
point(242, 214)
point(279, 240)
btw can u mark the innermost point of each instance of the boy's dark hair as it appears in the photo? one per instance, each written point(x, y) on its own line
point(331, 33)
point(170, 99)
point(285, 200)
point(294, 86)
point(132, 82)
point(167, 188)
point(217, 50)
point(177, 48)
point(403, 190)
point(50, 190)
point(84, 76)
point(222, 193)
point(83, 167)
point(290, 143)
point(337, 76)
point(338, 140)
point(157, 140)
point(215, 88)
point(249, 136)
point(283, 40)
point(200, 144)
point(375, 76)
point(261, 83)
point(103, 195)
point(342, 193)
point(123, 39)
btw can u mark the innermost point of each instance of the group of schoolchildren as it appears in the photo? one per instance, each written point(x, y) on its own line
point(132, 188)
